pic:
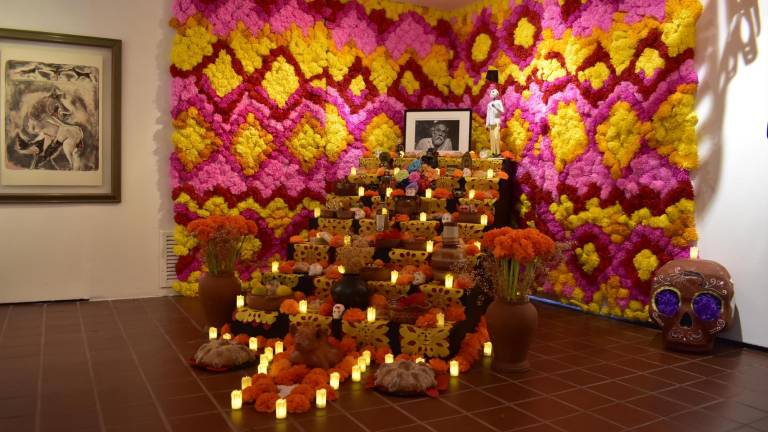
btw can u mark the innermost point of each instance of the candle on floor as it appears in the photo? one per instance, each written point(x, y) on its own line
point(213, 333)
point(360, 191)
point(449, 280)
point(694, 253)
point(245, 382)
point(341, 269)
point(454, 364)
point(281, 409)
point(471, 194)
point(334, 381)
point(389, 358)
point(353, 171)
point(430, 246)
point(270, 353)
point(355, 373)
point(317, 212)
point(361, 363)
point(367, 357)
point(371, 314)
point(237, 399)
point(440, 317)
point(253, 344)
point(484, 219)
point(489, 173)
point(227, 336)
point(278, 347)
point(393, 275)
point(302, 306)
point(487, 349)
point(275, 266)
point(320, 397)
point(423, 217)
point(240, 301)
point(347, 240)
point(428, 193)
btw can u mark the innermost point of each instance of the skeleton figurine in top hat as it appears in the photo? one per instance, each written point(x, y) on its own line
point(493, 120)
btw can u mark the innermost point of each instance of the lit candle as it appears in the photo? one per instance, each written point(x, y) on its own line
point(353, 171)
point(360, 191)
point(423, 217)
point(263, 368)
point(430, 246)
point(341, 269)
point(270, 353)
point(438, 171)
point(367, 357)
point(471, 194)
point(275, 266)
point(440, 317)
point(302, 306)
point(389, 358)
point(347, 240)
point(361, 363)
point(355, 373)
point(226, 336)
point(281, 409)
point(396, 170)
point(240, 301)
point(489, 173)
point(371, 314)
point(278, 347)
point(393, 275)
point(384, 211)
point(449, 280)
point(428, 193)
point(213, 333)
point(253, 344)
point(320, 396)
point(317, 212)
point(237, 399)
point(454, 368)
point(334, 382)
point(694, 253)
point(420, 360)
point(245, 382)
point(477, 244)
point(388, 192)
point(484, 219)
point(487, 349)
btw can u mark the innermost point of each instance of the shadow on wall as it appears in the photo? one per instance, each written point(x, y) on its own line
point(716, 73)
point(162, 136)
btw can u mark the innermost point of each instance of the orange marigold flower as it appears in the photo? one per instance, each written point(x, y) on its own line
point(266, 402)
point(455, 313)
point(354, 315)
point(438, 365)
point(314, 380)
point(305, 390)
point(326, 309)
point(289, 306)
point(286, 267)
point(403, 357)
point(378, 300)
point(298, 403)
point(242, 339)
point(426, 320)
point(297, 239)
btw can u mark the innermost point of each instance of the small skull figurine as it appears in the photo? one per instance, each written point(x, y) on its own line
point(691, 302)
point(338, 310)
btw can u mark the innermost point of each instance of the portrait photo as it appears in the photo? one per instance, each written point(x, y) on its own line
point(441, 130)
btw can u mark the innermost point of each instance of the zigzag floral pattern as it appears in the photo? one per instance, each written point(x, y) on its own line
point(275, 99)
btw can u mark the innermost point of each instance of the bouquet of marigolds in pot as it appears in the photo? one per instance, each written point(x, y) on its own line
point(221, 240)
point(518, 256)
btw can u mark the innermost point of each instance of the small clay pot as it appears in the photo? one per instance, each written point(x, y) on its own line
point(345, 214)
point(511, 327)
point(218, 294)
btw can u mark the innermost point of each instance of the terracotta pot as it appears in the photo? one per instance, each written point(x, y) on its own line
point(265, 303)
point(511, 327)
point(218, 293)
point(351, 291)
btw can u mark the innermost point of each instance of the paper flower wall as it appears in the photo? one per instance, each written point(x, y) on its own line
point(274, 99)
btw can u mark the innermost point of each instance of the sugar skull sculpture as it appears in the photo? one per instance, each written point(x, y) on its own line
point(691, 302)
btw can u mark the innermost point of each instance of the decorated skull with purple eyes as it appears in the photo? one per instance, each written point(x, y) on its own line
point(691, 302)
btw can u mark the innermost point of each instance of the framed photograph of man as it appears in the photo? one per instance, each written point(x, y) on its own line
point(59, 117)
point(448, 130)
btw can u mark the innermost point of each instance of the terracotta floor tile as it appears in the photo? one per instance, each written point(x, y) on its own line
point(735, 411)
point(580, 377)
point(546, 408)
point(381, 418)
point(200, 423)
point(658, 405)
point(430, 409)
point(701, 420)
point(583, 399)
point(547, 384)
point(701, 368)
point(647, 382)
point(352, 401)
point(715, 388)
point(460, 423)
point(688, 396)
point(585, 422)
point(610, 370)
point(187, 405)
point(616, 390)
point(757, 400)
point(662, 425)
point(637, 364)
point(511, 392)
point(541, 427)
point(626, 415)
point(471, 400)
point(675, 375)
point(506, 417)
point(577, 360)
point(761, 425)
point(549, 365)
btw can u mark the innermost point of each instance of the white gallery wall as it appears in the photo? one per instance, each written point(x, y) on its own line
point(732, 182)
point(100, 251)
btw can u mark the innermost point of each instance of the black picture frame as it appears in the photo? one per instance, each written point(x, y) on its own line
point(40, 52)
point(458, 129)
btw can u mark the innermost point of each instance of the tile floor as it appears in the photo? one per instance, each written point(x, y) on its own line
point(121, 366)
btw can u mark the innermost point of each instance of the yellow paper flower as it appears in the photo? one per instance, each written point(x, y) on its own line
point(193, 138)
point(223, 78)
point(648, 62)
point(251, 145)
point(382, 134)
point(481, 47)
point(184, 240)
point(619, 137)
point(193, 42)
point(249, 49)
point(524, 33)
point(281, 81)
point(588, 257)
point(516, 135)
point(678, 31)
point(674, 128)
point(645, 263)
point(337, 136)
point(568, 134)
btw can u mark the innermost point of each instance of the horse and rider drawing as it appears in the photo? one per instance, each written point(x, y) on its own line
point(51, 117)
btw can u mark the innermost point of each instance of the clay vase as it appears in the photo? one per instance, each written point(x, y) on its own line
point(351, 291)
point(218, 294)
point(511, 327)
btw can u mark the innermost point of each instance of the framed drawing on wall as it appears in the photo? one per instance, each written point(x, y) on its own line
point(445, 130)
point(59, 118)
